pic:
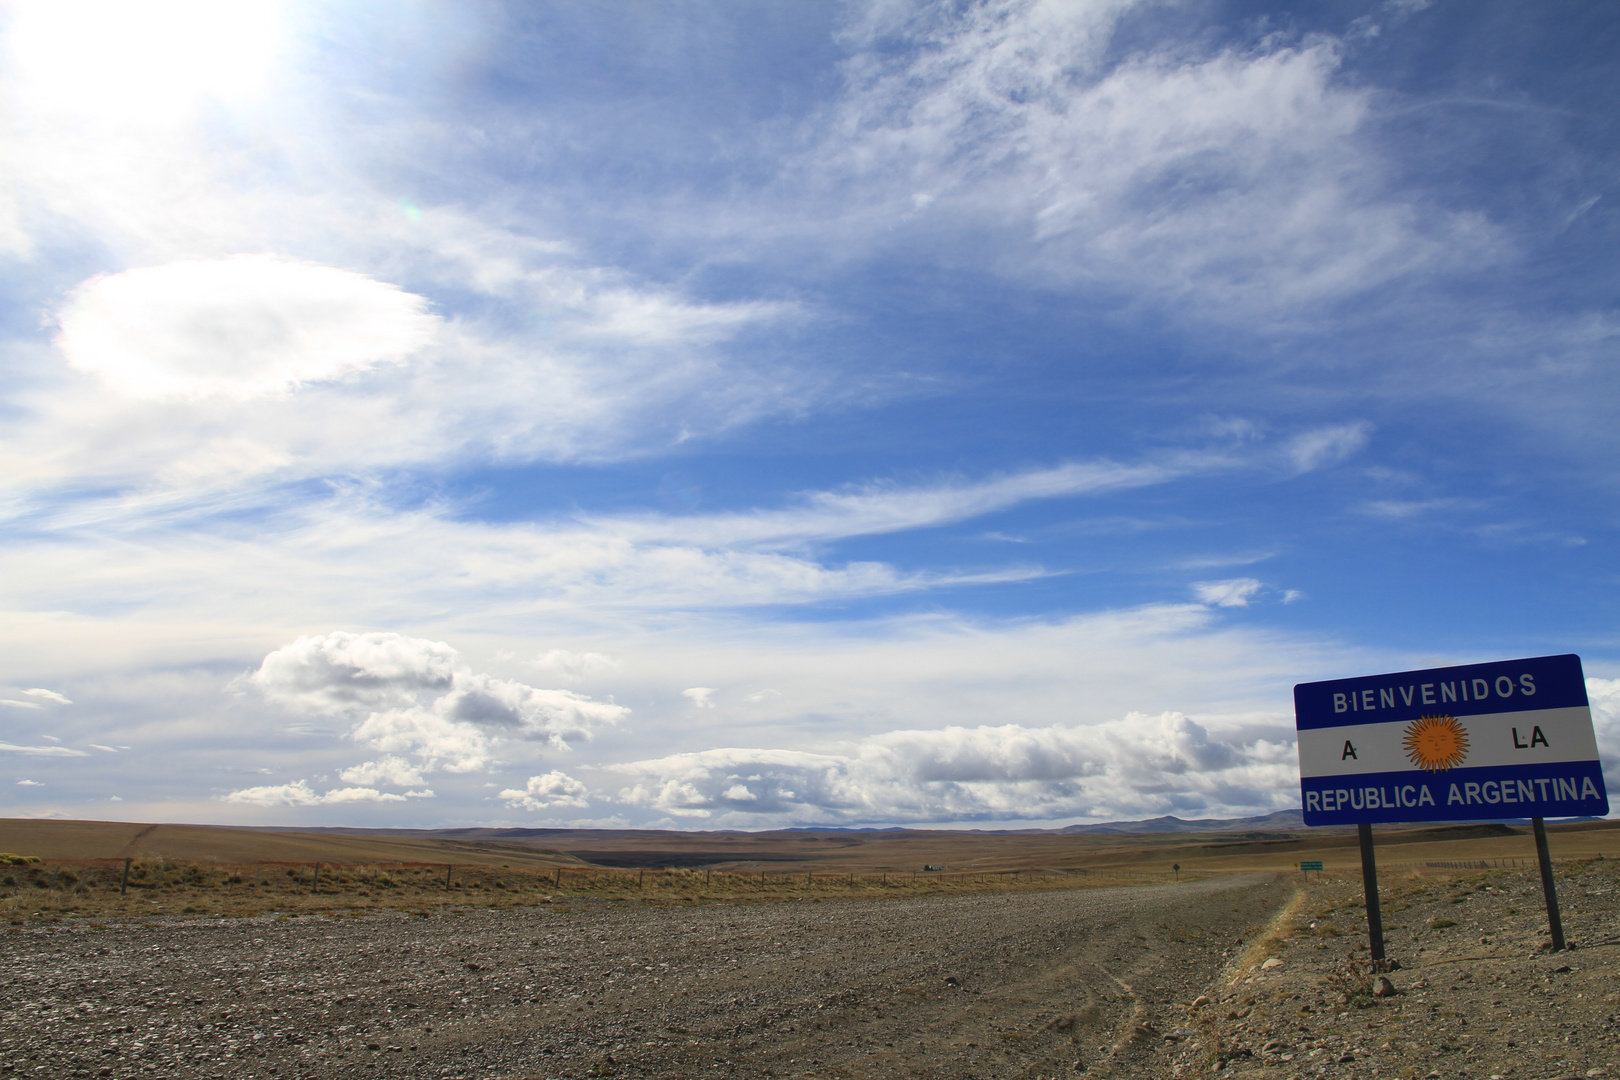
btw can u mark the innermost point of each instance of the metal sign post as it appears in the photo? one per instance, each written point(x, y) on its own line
point(1508, 739)
point(1548, 889)
point(1369, 890)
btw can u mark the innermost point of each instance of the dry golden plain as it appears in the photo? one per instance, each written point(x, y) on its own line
point(877, 852)
point(215, 870)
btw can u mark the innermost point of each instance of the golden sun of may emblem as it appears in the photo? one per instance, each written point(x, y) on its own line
point(1436, 743)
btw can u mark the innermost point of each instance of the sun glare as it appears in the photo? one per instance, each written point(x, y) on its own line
point(148, 61)
point(1436, 743)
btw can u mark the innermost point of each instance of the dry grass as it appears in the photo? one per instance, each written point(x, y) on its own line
point(50, 891)
point(230, 871)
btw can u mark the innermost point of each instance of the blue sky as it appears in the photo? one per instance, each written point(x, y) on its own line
point(756, 414)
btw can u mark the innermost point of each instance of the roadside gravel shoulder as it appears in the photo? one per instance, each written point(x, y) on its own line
point(1478, 992)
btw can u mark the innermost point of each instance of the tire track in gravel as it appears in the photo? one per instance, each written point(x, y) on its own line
point(1020, 985)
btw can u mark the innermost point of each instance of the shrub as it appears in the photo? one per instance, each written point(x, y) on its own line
point(1441, 924)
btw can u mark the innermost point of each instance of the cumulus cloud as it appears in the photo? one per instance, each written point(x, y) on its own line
point(700, 696)
point(299, 793)
point(414, 696)
point(1138, 764)
point(1604, 696)
point(47, 695)
point(243, 327)
point(1235, 592)
point(546, 792)
point(392, 771)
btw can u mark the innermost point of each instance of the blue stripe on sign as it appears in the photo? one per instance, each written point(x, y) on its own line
point(1542, 682)
point(1559, 789)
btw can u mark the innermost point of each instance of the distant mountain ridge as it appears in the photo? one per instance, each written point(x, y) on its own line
point(1281, 819)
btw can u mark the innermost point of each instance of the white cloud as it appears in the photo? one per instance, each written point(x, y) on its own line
point(415, 696)
point(1242, 183)
point(392, 771)
point(41, 751)
point(875, 509)
point(1138, 764)
point(700, 696)
point(108, 749)
point(15, 704)
point(245, 327)
point(574, 665)
point(1405, 509)
point(220, 379)
point(47, 695)
point(547, 792)
point(299, 793)
point(299, 562)
point(29, 783)
point(1327, 446)
point(1235, 592)
point(1604, 696)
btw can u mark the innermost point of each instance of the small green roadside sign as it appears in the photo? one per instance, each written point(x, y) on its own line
point(1310, 866)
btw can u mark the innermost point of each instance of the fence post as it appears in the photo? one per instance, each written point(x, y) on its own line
point(315, 879)
point(123, 887)
point(641, 881)
point(446, 877)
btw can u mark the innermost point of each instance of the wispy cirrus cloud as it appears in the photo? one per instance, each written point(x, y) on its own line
point(41, 751)
point(358, 542)
point(1240, 181)
point(1234, 592)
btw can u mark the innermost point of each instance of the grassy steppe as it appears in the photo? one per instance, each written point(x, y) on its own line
point(195, 869)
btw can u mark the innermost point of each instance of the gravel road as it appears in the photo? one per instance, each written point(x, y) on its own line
point(1036, 984)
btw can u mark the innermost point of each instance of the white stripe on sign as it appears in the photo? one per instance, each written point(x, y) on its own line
point(1533, 737)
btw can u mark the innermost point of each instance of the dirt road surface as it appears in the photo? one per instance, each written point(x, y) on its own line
point(1063, 983)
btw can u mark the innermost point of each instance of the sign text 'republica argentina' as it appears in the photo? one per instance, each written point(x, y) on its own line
point(1510, 739)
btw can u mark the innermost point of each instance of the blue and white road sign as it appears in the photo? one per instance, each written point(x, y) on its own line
point(1510, 739)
